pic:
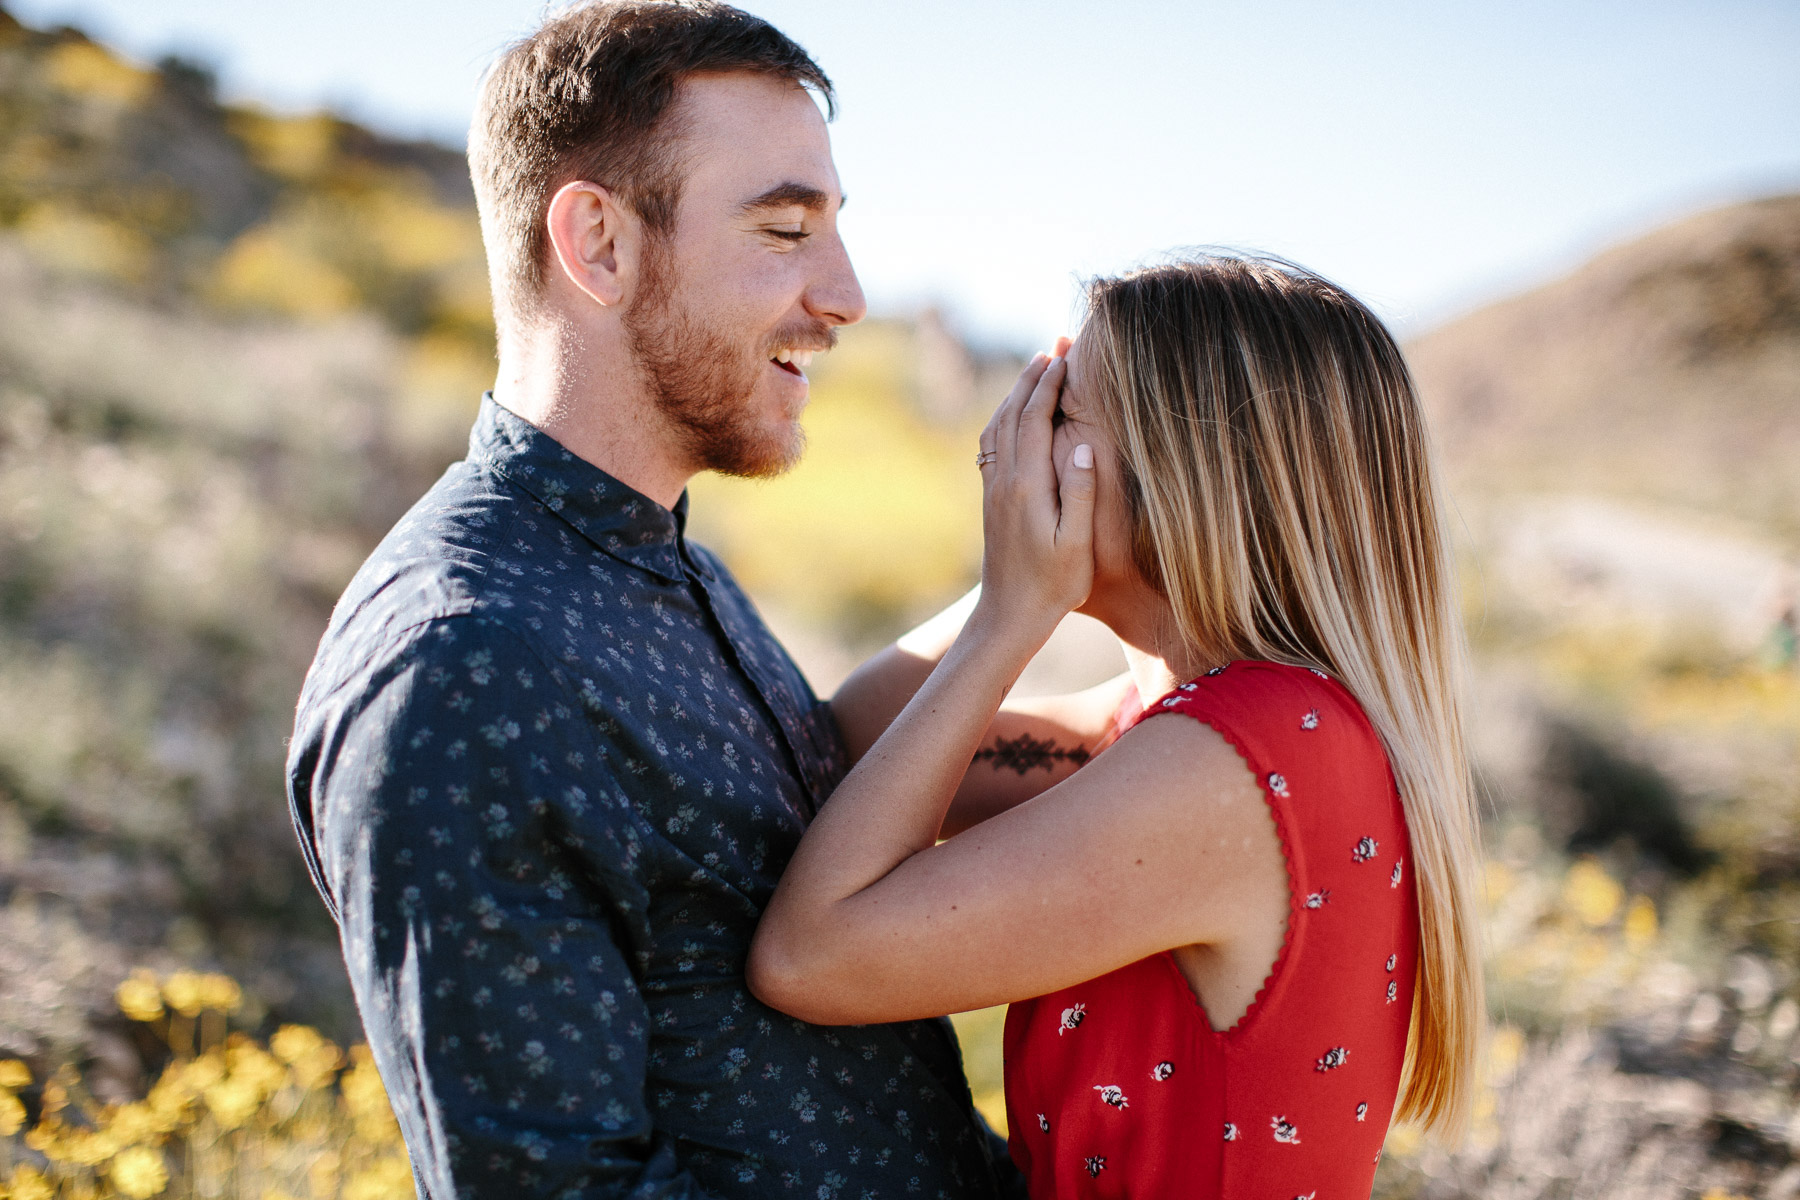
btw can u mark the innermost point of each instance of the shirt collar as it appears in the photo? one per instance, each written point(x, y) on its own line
point(618, 519)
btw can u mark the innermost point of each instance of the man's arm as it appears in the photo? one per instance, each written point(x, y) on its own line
point(480, 859)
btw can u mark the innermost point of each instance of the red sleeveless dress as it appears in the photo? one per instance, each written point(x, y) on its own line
point(1120, 1086)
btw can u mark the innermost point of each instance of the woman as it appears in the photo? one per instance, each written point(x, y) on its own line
point(1236, 944)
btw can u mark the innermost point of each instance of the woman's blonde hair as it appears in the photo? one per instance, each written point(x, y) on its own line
point(1276, 464)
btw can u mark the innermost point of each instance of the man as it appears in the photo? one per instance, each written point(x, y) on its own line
point(549, 763)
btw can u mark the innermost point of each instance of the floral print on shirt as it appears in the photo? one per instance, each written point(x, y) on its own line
point(547, 769)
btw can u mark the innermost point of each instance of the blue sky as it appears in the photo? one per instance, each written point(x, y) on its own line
point(1431, 156)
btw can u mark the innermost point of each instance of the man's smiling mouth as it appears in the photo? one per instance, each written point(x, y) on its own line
point(794, 362)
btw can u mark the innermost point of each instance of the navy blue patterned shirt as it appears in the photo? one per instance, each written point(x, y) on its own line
point(547, 768)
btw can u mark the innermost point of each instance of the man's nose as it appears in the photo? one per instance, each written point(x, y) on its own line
point(836, 297)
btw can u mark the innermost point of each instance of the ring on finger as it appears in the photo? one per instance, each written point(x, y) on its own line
point(984, 457)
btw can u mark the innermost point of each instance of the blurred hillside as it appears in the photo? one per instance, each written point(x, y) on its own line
point(138, 177)
point(1623, 452)
point(235, 345)
point(181, 499)
point(1666, 371)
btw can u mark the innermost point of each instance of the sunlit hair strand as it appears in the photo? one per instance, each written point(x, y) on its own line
point(1280, 482)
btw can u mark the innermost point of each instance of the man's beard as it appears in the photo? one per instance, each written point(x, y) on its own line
point(704, 385)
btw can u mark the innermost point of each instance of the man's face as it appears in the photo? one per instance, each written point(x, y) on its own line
point(753, 273)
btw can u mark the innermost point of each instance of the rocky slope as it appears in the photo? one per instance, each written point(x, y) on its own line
point(1666, 370)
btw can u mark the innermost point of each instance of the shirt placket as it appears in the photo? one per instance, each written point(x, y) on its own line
point(774, 693)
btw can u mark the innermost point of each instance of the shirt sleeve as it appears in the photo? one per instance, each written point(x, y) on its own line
point(480, 862)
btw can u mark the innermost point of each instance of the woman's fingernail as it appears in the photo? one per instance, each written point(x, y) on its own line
point(1057, 360)
point(1083, 456)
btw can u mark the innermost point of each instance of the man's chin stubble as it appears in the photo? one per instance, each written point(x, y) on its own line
point(742, 452)
point(715, 417)
point(708, 404)
point(711, 408)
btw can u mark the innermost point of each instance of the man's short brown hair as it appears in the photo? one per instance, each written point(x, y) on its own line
point(588, 96)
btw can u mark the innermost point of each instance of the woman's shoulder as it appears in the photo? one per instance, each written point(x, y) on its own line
point(1258, 689)
point(1277, 711)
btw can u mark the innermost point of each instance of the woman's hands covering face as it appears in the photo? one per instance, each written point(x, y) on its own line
point(1038, 522)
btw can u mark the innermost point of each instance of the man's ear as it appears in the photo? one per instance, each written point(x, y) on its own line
point(595, 240)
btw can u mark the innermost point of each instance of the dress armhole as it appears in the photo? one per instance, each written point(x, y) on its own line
point(1270, 784)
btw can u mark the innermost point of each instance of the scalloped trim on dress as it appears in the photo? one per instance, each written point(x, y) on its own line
point(1241, 1025)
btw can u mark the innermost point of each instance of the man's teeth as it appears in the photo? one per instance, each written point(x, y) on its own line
point(800, 358)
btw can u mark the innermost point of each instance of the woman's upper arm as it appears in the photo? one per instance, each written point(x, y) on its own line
point(1144, 850)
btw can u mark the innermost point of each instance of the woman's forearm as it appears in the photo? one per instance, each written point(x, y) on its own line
point(1037, 566)
point(893, 802)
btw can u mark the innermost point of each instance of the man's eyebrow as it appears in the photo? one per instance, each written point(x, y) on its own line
point(790, 195)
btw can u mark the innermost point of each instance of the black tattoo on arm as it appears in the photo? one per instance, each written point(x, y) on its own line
point(1025, 753)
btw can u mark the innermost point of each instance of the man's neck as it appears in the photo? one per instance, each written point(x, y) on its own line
point(589, 396)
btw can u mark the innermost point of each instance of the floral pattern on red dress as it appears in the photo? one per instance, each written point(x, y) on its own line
point(1302, 1088)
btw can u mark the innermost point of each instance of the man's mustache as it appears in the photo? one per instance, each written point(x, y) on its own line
point(816, 336)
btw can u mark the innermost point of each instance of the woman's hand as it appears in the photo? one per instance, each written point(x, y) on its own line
point(1038, 524)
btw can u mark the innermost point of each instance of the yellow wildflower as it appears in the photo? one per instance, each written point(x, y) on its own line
point(139, 997)
point(12, 1114)
point(201, 1073)
point(313, 1060)
point(14, 1074)
point(139, 1172)
point(292, 1043)
point(1591, 894)
point(367, 1100)
point(61, 1143)
point(169, 1101)
point(58, 1143)
point(319, 1068)
point(254, 1065)
point(221, 992)
point(141, 1122)
point(1505, 1044)
point(388, 1179)
point(185, 993)
point(89, 1148)
point(1499, 881)
point(27, 1184)
point(1590, 954)
point(88, 69)
point(43, 1136)
point(232, 1102)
